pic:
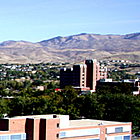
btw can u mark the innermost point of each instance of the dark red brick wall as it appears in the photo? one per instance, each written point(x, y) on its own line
point(4, 124)
point(43, 129)
point(29, 128)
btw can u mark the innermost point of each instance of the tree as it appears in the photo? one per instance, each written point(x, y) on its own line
point(37, 82)
point(50, 85)
point(3, 108)
point(69, 96)
point(22, 105)
point(91, 107)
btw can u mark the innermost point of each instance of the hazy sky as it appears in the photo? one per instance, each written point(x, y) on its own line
point(36, 20)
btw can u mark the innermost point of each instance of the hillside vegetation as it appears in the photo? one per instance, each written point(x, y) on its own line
point(72, 49)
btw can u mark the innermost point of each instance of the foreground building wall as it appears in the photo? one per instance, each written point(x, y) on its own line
point(53, 127)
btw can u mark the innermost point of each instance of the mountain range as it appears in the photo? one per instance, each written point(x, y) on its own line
point(74, 48)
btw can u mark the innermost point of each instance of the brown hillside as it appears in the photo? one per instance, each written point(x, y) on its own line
point(72, 49)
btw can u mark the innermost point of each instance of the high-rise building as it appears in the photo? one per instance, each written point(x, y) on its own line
point(103, 72)
point(75, 76)
point(92, 73)
point(66, 77)
point(83, 75)
point(80, 72)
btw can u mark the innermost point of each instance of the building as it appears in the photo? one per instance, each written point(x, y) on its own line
point(103, 72)
point(66, 77)
point(75, 76)
point(92, 73)
point(83, 76)
point(53, 127)
point(80, 72)
point(133, 83)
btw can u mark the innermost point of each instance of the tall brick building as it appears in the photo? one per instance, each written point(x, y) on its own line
point(53, 127)
point(83, 75)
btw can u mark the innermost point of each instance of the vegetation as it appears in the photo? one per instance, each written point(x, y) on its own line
point(116, 104)
point(119, 75)
point(103, 104)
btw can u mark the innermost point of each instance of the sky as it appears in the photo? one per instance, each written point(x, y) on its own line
point(37, 20)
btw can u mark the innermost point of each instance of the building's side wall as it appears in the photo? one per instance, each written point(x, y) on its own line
point(66, 77)
point(94, 74)
point(89, 78)
point(43, 129)
point(103, 72)
point(102, 132)
point(77, 75)
point(53, 130)
point(36, 129)
point(4, 125)
point(50, 129)
point(33, 129)
point(79, 133)
point(82, 133)
point(97, 72)
point(17, 125)
point(30, 129)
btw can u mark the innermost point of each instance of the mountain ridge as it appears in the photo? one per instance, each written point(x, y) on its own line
point(72, 48)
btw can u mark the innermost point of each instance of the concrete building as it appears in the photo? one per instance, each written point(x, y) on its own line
point(83, 76)
point(75, 76)
point(66, 77)
point(52, 127)
point(80, 72)
point(103, 72)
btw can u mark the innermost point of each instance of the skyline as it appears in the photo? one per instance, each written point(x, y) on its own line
point(42, 19)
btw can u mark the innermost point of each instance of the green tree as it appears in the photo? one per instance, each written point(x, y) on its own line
point(69, 96)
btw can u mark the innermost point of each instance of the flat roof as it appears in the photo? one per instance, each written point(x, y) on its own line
point(66, 123)
point(90, 122)
point(49, 116)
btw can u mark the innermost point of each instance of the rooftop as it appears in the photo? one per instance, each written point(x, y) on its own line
point(66, 123)
point(91, 122)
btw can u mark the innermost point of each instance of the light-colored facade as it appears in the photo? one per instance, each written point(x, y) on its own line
point(103, 72)
point(53, 127)
point(80, 75)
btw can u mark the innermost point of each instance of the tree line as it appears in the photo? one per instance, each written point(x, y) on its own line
point(105, 104)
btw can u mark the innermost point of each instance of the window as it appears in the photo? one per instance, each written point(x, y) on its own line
point(118, 129)
point(118, 138)
point(57, 136)
point(24, 136)
point(57, 125)
point(126, 137)
point(15, 137)
point(62, 134)
point(93, 139)
point(6, 137)
point(81, 132)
